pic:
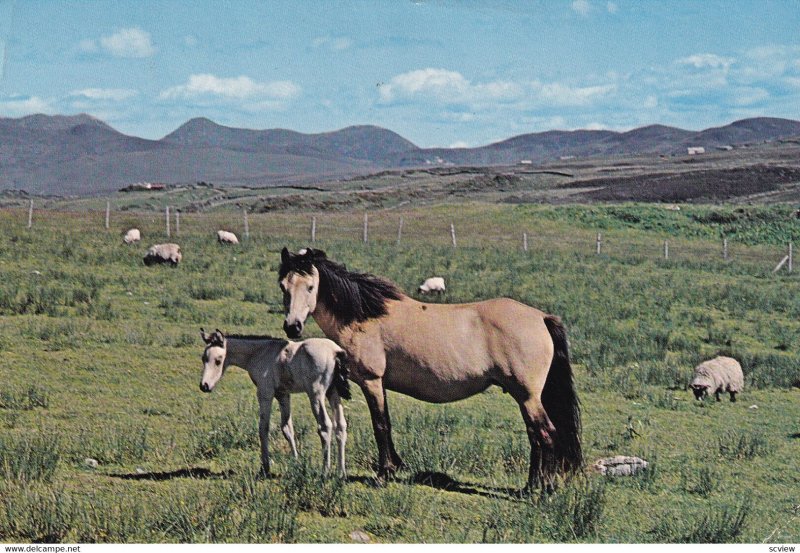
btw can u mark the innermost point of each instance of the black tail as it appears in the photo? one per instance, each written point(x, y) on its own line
point(561, 404)
point(340, 377)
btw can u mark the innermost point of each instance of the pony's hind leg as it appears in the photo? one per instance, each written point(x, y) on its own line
point(340, 429)
point(287, 427)
point(541, 436)
point(324, 427)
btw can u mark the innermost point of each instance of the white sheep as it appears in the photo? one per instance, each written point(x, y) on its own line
point(721, 374)
point(133, 235)
point(225, 237)
point(433, 284)
point(163, 253)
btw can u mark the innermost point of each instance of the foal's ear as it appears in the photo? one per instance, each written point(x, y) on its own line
point(316, 254)
point(285, 255)
point(206, 338)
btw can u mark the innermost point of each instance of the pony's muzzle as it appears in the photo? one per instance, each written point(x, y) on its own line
point(205, 388)
point(293, 330)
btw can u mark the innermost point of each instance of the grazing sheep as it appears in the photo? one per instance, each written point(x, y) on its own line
point(163, 253)
point(433, 284)
point(225, 237)
point(133, 235)
point(721, 374)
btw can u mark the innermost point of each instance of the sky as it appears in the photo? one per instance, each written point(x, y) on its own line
point(442, 73)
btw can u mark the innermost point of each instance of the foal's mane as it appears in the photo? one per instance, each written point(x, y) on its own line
point(351, 296)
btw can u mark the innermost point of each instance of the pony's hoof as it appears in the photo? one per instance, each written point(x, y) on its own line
point(264, 475)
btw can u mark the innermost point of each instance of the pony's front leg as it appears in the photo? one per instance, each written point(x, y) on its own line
point(264, 408)
point(374, 393)
point(286, 421)
point(324, 425)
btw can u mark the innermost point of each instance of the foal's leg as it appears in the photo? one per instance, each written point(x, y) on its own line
point(264, 408)
point(376, 401)
point(324, 425)
point(339, 428)
point(286, 421)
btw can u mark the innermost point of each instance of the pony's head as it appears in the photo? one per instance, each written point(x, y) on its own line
point(213, 359)
point(298, 278)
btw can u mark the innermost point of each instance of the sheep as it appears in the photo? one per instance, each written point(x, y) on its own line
point(163, 253)
point(133, 235)
point(433, 284)
point(225, 237)
point(721, 374)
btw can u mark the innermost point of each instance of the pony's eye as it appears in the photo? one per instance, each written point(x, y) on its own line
point(311, 287)
point(218, 361)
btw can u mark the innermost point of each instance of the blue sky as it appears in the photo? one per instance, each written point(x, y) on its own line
point(440, 73)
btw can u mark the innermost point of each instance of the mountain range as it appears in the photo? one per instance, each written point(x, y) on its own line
point(82, 155)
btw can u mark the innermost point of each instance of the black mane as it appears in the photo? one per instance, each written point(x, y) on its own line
point(351, 296)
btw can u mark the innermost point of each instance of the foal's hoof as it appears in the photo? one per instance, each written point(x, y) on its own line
point(264, 475)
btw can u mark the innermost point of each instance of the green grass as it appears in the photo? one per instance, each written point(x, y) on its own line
point(101, 359)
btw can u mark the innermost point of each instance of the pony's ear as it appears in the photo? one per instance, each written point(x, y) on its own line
point(217, 339)
point(316, 255)
point(285, 255)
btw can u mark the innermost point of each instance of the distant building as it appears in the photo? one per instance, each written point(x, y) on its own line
point(565, 158)
point(140, 186)
point(695, 150)
point(525, 162)
point(725, 148)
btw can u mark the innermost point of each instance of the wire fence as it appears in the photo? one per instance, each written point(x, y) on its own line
point(430, 227)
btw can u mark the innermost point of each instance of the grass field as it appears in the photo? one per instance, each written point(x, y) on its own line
point(100, 358)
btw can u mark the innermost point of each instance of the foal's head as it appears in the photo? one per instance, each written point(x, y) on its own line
point(213, 359)
point(299, 282)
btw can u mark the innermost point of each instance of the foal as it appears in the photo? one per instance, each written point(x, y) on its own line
point(281, 367)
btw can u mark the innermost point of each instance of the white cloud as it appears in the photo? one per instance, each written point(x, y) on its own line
point(446, 86)
point(190, 41)
point(581, 7)
point(612, 7)
point(113, 94)
point(703, 61)
point(459, 144)
point(559, 94)
point(16, 106)
point(241, 87)
point(334, 43)
point(132, 42)
point(746, 96)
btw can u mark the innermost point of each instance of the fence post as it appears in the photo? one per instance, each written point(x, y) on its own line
point(167, 219)
point(313, 229)
point(724, 249)
point(177, 222)
point(599, 242)
point(781, 264)
point(666, 249)
point(400, 231)
point(789, 266)
point(108, 213)
point(525, 241)
point(30, 215)
point(366, 225)
point(453, 233)
point(246, 223)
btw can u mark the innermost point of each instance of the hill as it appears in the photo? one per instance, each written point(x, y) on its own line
point(81, 155)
